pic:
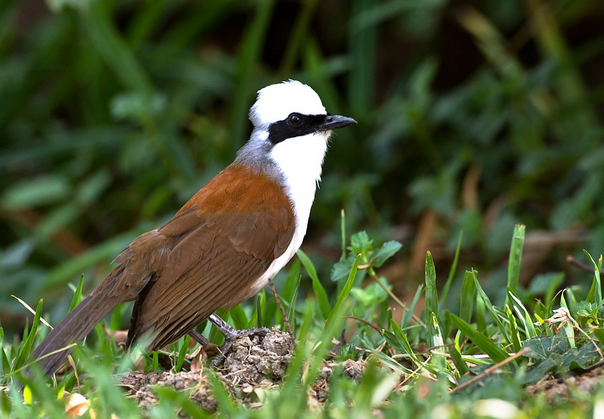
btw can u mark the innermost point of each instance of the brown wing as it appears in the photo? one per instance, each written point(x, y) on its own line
point(209, 255)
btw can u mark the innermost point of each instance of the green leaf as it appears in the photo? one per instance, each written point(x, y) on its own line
point(460, 365)
point(360, 243)
point(24, 350)
point(484, 343)
point(597, 282)
point(116, 317)
point(290, 291)
point(343, 294)
point(39, 191)
point(491, 308)
point(341, 269)
point(538, 371)
point(184, 349)
point(77, 295)
point(292, 282)
point(384, 252)
point(155, 363)
point(522, 314)
point(343, 232)
point(481, 322)
point(320, 293)
point(269, 308)
point(543, 346)
point(409, 313)
point(467, 296)
point(445, 291)
point(513, 330)
point(371, 296)
point(136, 106)
point(4, 363)
point(363, 43)
point(515, 256)
point(398, 340)
point(599, 334)
point(260, 302)
point(239, 317)
point(309, 311)
point(182, 400)
point(579, 359)
point(108, 41)
point(250, 49)
point(436, 339)
point(431, 291)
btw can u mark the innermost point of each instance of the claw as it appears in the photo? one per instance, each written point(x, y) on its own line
point(230, 336)
point(229, 341)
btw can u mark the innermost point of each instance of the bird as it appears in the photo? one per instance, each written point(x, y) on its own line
point(224, 245)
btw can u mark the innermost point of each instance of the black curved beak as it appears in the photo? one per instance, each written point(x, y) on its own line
point(335, 122)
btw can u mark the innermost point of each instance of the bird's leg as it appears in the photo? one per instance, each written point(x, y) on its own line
point(198, 337)
point(230, 335)
point(209, 348)
point(229, 332)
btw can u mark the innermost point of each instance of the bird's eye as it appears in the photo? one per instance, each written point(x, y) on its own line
point(294, 120)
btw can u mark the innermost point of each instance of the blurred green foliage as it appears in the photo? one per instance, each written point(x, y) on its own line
point(113, 113)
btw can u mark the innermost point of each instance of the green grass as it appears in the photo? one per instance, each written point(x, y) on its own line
point(414, 365)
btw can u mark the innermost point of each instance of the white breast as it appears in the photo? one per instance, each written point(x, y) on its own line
point(300, 160)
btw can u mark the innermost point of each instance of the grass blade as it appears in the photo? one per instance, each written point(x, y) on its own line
point(362, 51)
point(516, 343)
point(114, 50)
point(523, 315)
point(24, 350)
point(184, 349)
point(484, 343)
point(317, 287)
point(431, 301)
point(445, 291)
point(343, 294)
point(481, 322)
point(596, 295)
point(467, 296)
point(409, 313)
point(249, 54)
point(431, 291)
point(515, 257)
point(399, 341)
point(77, 296)
point(292, 282)
point(239, 317)
point(491, 308)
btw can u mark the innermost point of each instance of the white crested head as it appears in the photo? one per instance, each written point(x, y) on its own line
point(277, 101)
point(289, 141)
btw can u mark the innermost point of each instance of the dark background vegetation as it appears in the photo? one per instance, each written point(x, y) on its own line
point(473, 116)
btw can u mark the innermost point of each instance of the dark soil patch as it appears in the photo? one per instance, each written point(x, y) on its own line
point(558, 389)
point(255, 361)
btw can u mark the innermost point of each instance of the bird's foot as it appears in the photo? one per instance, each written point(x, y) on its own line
point(209, 348)
point(230, 339)
point(230, 336)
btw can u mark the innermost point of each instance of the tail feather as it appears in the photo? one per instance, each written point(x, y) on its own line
point(73, 328)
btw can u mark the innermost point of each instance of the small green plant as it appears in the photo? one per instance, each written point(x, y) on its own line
point(439, 351)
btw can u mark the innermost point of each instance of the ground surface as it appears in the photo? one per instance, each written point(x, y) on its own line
point(255, 361)
point(258, 362)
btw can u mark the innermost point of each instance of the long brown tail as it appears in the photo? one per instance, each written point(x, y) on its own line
point(73, 328)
